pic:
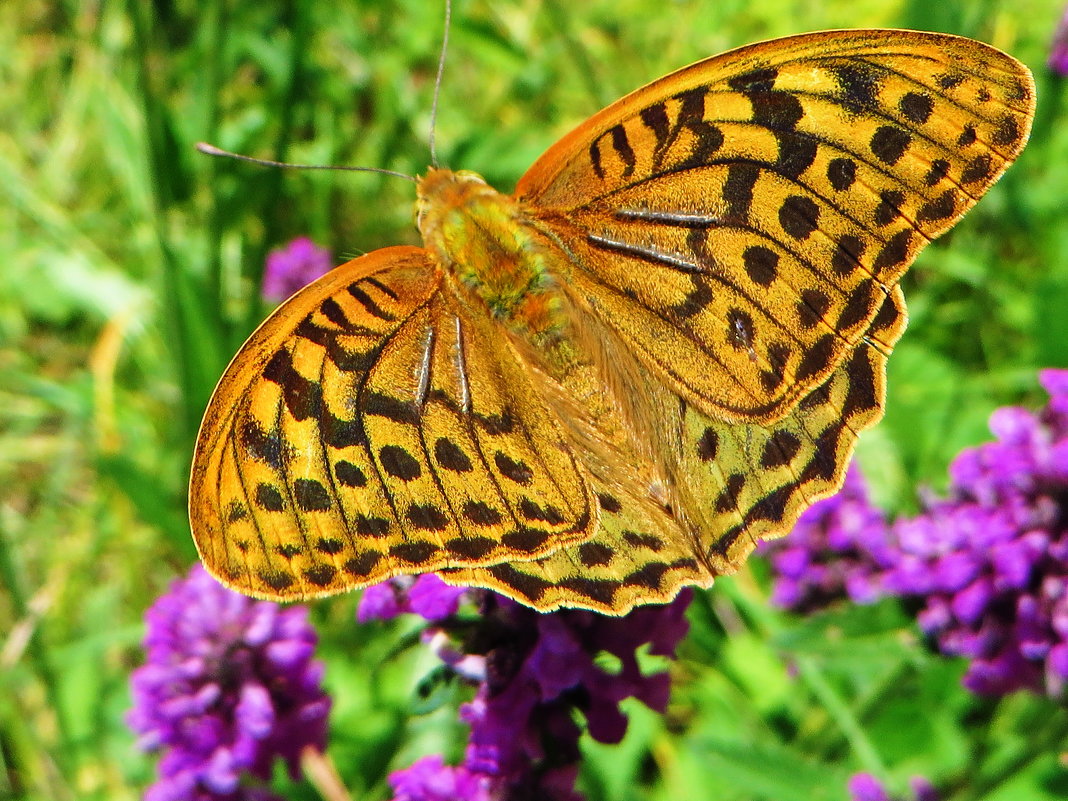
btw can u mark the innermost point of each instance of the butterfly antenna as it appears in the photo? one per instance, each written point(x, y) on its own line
point(211, 150)
point(437, 83)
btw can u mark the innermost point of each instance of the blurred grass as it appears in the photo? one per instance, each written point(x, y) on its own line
point(131, 276)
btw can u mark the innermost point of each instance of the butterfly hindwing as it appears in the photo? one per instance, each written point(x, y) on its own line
point(759, 478)
point(739, 221)
point(638, 556)
point(641, 554)
point(371, 427)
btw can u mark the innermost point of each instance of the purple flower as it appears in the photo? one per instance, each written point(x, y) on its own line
point(292, 267)
point(990, 562)
point(429, 779)
point(1058, 53)
point(425, 595)
point(536, 670)
point(229, 685)
point(865, 787)
point(541, 667)
point(837, 549)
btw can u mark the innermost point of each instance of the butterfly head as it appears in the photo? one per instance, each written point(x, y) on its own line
point(442, 193)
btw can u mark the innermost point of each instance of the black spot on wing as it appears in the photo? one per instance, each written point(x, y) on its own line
point(757, 80)
point(799, 216)
point(780, 449)
point(894, 252)
point(516, 470)
point(349, 475)
point(269, 498)
point(916, 106)
point(940, 208)
point(310, 495)
point(761, 264)
point(362, 565)
point(623, 149)
point(379, 405)
point(264, 446)
point(817, 358)
point(451, 456)
point(889, 143)
point(427, 516)
point(302, 397)
point(858, 86)
point(320, 575)
point(738, 191)
point(841, 173)
point(399, 463)
point(369, 304)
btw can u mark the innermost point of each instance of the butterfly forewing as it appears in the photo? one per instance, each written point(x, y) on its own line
point(370, 428)
point(739, 222)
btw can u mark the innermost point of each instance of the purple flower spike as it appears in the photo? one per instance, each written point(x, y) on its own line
point(1058, 53)
point(837, 550)
point(292, 267)
point(540, 667)
point(534, 672)
point(990, 562)
point(865, 787)
point(229, 685)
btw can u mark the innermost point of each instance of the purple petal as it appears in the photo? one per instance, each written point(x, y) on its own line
point(1057, 661)
point(971, 603)
point(865, 787)
point(922, 789)
point(379, 602)
point(291, 267)
point(433, 599)
point(255, 713)
point(220, 774)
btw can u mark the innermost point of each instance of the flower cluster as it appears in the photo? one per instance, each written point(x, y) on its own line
point(836, 549)
point(988, 563)
point(1058, 52)
point(865, 787)
point(533, 671)
point(292, 267)
point(229, 685)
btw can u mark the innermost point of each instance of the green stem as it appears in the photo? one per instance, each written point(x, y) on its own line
point(38, 654)
point(217, 23)
point(836, 707)
point(163, 198)
point(1040, 744)
point(586, 71)
point(762, 622)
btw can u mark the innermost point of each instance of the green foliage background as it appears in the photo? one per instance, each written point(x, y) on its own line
point(130, 275)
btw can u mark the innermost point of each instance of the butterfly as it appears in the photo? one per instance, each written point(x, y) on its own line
point(614, 382)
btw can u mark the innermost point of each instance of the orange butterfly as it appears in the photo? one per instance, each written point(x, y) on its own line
point(614, 382)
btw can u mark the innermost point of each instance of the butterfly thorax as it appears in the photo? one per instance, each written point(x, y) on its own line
point(482, 241)
point(498, 260)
